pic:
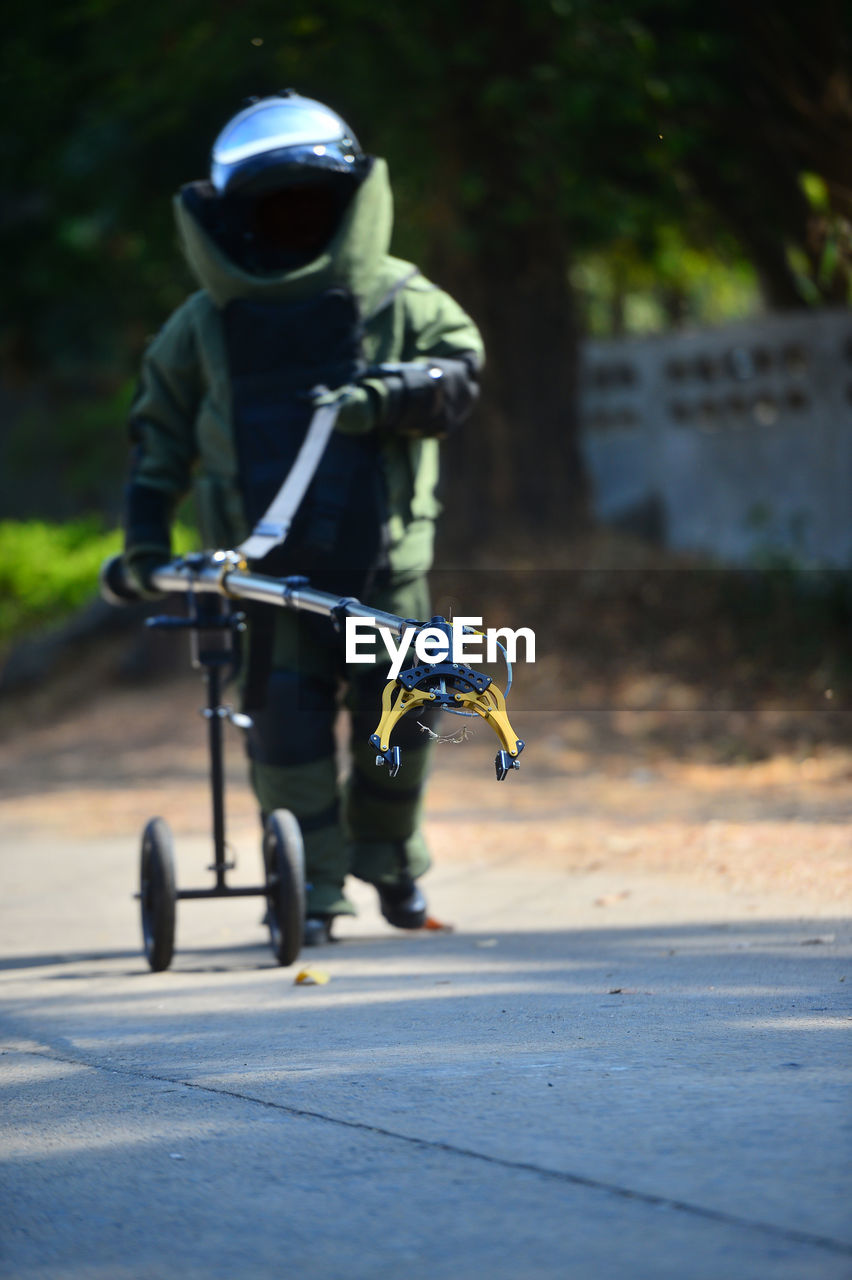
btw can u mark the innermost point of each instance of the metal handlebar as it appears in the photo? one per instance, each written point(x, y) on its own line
point(226, 573)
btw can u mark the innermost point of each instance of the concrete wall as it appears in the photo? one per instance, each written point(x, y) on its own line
point(735, 441)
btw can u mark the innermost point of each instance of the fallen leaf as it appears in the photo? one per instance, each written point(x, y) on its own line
point(311, 978)
point(437, 926)
point(609, 898)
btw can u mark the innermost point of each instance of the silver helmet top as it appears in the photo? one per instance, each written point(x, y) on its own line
point(286, 132)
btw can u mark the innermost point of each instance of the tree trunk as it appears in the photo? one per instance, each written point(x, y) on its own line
point(500, 244)
point(517, 470)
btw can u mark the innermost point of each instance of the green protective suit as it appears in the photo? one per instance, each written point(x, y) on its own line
point(183, 429)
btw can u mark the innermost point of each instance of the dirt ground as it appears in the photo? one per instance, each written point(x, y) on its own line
point(679, 719)
point(750, 800)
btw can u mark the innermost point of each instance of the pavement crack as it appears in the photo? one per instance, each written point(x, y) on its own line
point(789, 1234)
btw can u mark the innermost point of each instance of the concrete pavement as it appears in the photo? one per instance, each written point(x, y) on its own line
point(588, 1078)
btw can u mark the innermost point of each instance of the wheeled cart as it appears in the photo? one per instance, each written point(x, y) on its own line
point(214, 627)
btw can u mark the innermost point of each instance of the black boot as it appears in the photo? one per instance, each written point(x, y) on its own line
point(317, 931)
point(402, 904)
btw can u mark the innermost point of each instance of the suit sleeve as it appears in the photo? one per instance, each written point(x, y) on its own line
point(162, 431)
point(435, 325)
point(438, 385)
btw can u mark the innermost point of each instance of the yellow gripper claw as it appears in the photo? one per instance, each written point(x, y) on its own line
point(456, 688)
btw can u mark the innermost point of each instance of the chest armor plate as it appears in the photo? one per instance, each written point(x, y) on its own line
point(278, 354)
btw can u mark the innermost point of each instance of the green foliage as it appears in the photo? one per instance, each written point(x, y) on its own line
point(623, 290)
point(671, 158)
point(49, 570)
point(68, 451)
point(604, 116)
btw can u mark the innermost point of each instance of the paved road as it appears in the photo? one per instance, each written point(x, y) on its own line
point(586, 1079)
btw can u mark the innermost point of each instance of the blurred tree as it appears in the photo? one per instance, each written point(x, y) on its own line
point(756, 104)
point(523, 138)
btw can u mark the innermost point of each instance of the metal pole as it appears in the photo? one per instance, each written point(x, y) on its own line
point(223, 573)
point(240, 584)
point(217, 784)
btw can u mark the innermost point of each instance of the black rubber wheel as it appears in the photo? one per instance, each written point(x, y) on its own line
point(284, 865)
point(157, 894)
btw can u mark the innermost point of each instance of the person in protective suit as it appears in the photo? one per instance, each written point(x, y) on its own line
point(300, 305)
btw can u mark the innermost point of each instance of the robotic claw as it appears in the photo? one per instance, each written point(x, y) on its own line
point(458, 689)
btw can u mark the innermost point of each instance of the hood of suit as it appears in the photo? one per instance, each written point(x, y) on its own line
point(350, 260)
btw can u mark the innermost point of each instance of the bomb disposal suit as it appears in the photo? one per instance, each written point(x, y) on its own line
point(299, 302)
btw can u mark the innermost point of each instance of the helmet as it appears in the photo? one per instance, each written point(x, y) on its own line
point(281, 140)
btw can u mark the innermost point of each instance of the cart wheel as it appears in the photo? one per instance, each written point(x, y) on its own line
point(157, 894)
point(284, 864)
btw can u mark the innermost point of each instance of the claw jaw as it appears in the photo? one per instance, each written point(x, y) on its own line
point(472, 691)
point(503, 761)
point(392, 757)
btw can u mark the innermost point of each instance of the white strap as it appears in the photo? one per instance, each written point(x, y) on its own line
point(274, 525)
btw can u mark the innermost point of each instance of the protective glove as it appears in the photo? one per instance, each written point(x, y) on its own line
point(417, 398)
point(359, 408)
point(429, 398)
point(138, 570)
point(147, 536)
